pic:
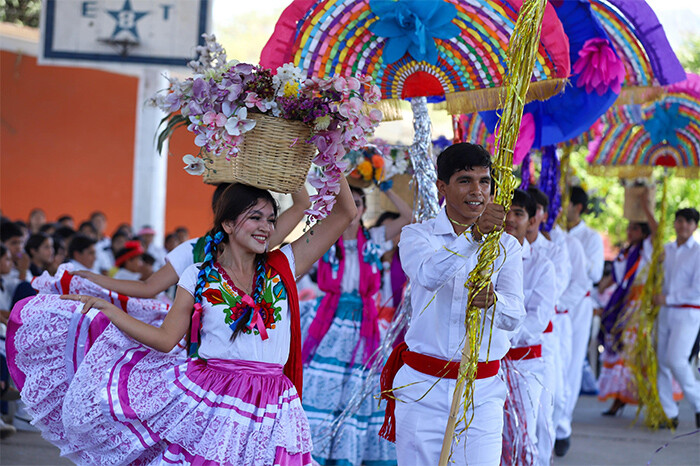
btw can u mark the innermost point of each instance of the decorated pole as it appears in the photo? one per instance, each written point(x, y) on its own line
point(564, 185)
point(643, 361)
point(522, 51)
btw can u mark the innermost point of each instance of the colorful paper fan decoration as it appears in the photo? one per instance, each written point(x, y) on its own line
point(641, 42)
point(596, 81)
point(453, 50)
point(668, 135)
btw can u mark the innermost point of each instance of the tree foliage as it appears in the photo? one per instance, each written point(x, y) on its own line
point(24, 12)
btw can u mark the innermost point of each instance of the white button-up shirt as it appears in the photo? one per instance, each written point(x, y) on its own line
point(538, 291)
point(682, 274)
point(579, 283)
point(438, 262)
point(593, 247)
point(559, 256)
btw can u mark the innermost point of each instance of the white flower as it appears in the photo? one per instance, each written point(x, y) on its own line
point(238, 123)
point(194, 165)
point(286, 73)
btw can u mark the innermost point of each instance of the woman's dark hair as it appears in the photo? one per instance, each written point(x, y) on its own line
point(34, 242)
point(388, 215)
point(3, 250)
point(220, 188)
point(235, 201)
point(644, 227)
point(360, 192)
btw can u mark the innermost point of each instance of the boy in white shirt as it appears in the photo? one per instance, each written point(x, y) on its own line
point(437, 256)
point(679, 317)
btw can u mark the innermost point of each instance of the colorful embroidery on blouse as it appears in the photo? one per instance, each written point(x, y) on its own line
point(221, 292)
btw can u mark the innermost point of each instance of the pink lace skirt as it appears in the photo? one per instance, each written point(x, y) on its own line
point(104, 399)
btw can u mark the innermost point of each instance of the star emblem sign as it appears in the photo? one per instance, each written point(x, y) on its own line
point(126, 19)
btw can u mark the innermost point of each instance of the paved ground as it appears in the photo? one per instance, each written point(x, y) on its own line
point(597, 440)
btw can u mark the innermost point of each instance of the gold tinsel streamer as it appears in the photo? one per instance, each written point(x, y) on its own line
point(564, 185)
point(521, 58)
point(642, 357)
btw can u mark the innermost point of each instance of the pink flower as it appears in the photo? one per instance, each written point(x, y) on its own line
point(239, 123)
point(598, 67)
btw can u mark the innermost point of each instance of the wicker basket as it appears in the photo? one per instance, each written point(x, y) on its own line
point(274, 155)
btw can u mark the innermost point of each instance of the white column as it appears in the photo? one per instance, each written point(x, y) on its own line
point(150, 168)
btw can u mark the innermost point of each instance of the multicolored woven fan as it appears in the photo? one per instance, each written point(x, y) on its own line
point(668, 134)
point(641, 43)
point(453, 50)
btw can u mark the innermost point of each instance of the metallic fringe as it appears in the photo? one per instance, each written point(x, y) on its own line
point(521, 58)
point(478, 100)
point(391, 109)
point(639, 95)
point(642, 358)
point(564, 175)
point(638, 171)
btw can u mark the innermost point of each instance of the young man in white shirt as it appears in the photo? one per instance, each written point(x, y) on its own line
point(525, 363)
point(581, 314)
point(679, 317)
point(437, 256)
point(559, 327)
point(82, 252)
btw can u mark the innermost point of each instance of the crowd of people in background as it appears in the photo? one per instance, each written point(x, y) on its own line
point(548, 290)
point(30, 248)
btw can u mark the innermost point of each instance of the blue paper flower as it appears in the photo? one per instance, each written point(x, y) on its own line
point(664, 122)
point(412, 26)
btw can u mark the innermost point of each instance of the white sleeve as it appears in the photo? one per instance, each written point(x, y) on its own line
point(540, 303)
point(428, 267)
point(188, 279)
point(289, 254)
point(596, 257)
point(378, 237)
point(508, 287)
point(182, 256)
point(578, 286)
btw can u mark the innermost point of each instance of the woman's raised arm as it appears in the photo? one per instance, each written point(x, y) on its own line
point(315, 242)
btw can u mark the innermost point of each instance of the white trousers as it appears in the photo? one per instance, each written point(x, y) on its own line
point(677, 331)
point(421, 422)
point(562, 329)
point(546, 429)
point(581, 319)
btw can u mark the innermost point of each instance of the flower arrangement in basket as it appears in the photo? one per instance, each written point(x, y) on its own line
point(263, 128)
point(369, 166)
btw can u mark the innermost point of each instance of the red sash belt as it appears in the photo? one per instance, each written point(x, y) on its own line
point(587, 294)
point(688, 306)
point(428, 365)
point(549, 328)
point(524, 352)
point(559, 311)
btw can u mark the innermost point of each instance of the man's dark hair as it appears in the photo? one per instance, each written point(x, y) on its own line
point(579, 197)
point(64, 232)
point(63, 218)
point(690, 214)
point(523, 199)
point(539, 197)
point(34, 242)
point(46, 227)
point(96, 214)
point(79, 243)
point(9, 230)
point(87, 224)
point(461, 156)
point(120, 234)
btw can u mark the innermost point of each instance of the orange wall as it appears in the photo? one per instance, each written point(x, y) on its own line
point(67, 142)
